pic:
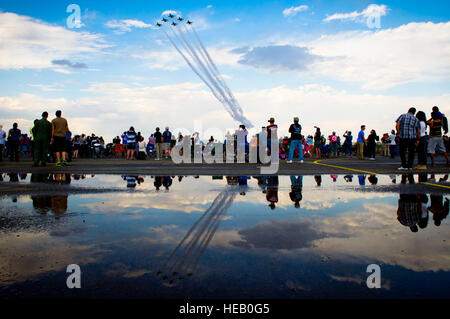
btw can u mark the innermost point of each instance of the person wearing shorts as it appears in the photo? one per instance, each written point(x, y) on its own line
point(436, 141)
point(131, 143)
point(59, 135)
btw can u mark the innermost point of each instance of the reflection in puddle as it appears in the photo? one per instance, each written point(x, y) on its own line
point(224, 236)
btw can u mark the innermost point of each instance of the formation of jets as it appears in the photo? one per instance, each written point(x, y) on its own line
point(171, 16)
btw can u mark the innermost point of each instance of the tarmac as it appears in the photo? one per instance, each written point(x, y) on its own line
point(381, 165)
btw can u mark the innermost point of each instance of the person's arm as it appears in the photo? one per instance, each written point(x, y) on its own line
point(53, 131)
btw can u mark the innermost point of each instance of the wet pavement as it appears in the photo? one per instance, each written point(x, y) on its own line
point(224, 237)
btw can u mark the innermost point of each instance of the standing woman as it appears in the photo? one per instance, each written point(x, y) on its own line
point(348, 144)
point(131, 143)
point(372, 140)
point(422, 144)
point(317, 142)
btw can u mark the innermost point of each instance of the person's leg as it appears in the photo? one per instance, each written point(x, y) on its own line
point(158, 150)
point(432, 149)
point(44, 152)
point(403, 146)
point(411, 152)
point(291, 151)
point(37, 154)
point(1, 152)
point(300, 151)
point(359, 151)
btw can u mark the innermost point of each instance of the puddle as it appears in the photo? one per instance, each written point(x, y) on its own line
point(224, 237)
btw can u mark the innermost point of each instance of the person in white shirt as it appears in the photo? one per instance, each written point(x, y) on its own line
point(392, 144)
point(2, 142)
point(142, 146)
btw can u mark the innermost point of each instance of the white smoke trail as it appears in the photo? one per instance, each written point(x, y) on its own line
point(192, 67)
point(238, 108)
point(210, 73)
point(205, 71)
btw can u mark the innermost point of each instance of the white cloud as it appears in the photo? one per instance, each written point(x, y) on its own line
point(30, 43)
point(292, 11)
point(371, 11)
point(126, 25)
point(109, 108)
point(382, 59)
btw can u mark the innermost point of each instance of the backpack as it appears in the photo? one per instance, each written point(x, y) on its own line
point(333, 138)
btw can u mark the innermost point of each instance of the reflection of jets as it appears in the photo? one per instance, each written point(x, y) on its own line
point(171, 16)
point(174, 24)
point(164, 19)
point(189, 22)
point(180, 19)
point(183, 261)
point(158, 24)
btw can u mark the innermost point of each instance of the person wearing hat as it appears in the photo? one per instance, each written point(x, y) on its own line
point(2, 142)
point(42, 132)
point(270, 127)
point(296, 141)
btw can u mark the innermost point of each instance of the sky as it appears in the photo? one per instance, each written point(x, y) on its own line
point(330, 63)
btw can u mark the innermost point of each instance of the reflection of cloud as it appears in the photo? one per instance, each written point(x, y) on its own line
point(279, 235)
point(34, 254)
point(375, 234)
point(294, 286)
point(385, 284)
point(162, 228)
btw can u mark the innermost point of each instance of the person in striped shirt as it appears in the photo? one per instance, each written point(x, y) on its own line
point(131, 143)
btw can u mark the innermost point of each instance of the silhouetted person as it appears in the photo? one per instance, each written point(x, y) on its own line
point(439, 208)
point(409, 211)
point(296, 190)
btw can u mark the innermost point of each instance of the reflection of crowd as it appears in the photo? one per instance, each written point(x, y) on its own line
point(56, 203)
point(413, 208)
point(413, 211)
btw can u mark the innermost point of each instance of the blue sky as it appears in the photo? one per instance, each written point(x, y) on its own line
point(296, 58)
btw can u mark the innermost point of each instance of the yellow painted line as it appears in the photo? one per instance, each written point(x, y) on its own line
point(436, 185)
point(345, 168)
point(372, 173)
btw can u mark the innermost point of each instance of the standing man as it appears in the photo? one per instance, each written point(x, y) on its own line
point(42, 134)
point(2, 142)
point(270, 127)
point(158, 142)
point(296, 141)
point(13, 141)
point(60, 127)
point(361, 143)
point(167, 139)
point(437, 123)
point(408, 130)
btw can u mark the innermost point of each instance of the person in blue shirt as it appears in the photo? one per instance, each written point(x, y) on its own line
point(124, 138)
point(131, 143)
point(361, 143)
